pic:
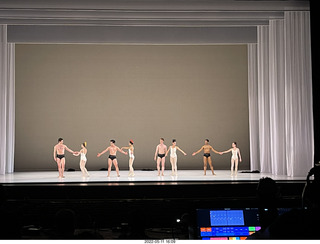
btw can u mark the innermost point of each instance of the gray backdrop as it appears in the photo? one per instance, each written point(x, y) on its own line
point(95, 93)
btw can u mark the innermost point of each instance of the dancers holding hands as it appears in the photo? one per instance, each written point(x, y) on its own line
point(160, 154)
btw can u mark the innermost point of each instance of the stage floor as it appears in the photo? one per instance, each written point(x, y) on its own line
point(140, 176)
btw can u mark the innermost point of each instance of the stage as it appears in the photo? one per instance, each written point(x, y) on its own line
point(188, 185)
point(146, 184)
point(141, 176)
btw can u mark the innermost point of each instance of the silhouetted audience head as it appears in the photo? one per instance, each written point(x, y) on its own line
point(310, 194)
point(267, 191)
point(268, 195)
point(298, 223)
point(295, 224)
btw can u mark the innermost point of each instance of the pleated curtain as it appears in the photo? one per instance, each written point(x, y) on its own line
point(280, 97)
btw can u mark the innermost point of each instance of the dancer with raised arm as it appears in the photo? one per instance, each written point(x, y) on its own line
point(59, 157)
point(160, 156)
point(112, 156)
point(206, 156)
point(234, 158)
point(83, 159)
point(173, 156)
point(130, 149)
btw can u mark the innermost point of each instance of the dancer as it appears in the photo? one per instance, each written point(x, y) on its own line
point(58, 156)
point(83, 159)
point(206, 156)
point(160, 156)
point(234, 158)
point(130, 149)
point(173, 156)
point(112, 156)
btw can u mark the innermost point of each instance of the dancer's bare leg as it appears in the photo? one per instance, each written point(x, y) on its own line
point(129, 167)
point(175, 166)
point(115, 163)
point(236, 167)
point(163, 161)
point(232, 165)
point(109, 166)
point(59, 166)
point(132, 167)
point(211, 167)
point(158, 165)
point(83, 168)
point(131, 170)
point(62, 164)
point(172, 165)
point(205, 161)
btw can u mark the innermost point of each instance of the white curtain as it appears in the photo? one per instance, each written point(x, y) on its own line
point(7, 102)
point(298, 95)
point(277, 98)
point(253, 107)
point(263, 97)
point(284, 101)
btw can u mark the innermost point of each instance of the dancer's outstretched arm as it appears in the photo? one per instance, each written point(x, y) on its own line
point(69, 150)
point(197, 151)
point(99, 154)
point(226, 151)
point(78, 152)
point(181, 151)
point(120, 150)
point(215, 151)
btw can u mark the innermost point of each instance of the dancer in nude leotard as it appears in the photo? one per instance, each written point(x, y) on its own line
point(112, 156)
point(173, 156)
point(234, 158)
point(206, 156)
point(83, 159)
point(130, 149)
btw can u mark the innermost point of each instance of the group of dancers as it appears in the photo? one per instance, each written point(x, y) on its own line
point(160, 154)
